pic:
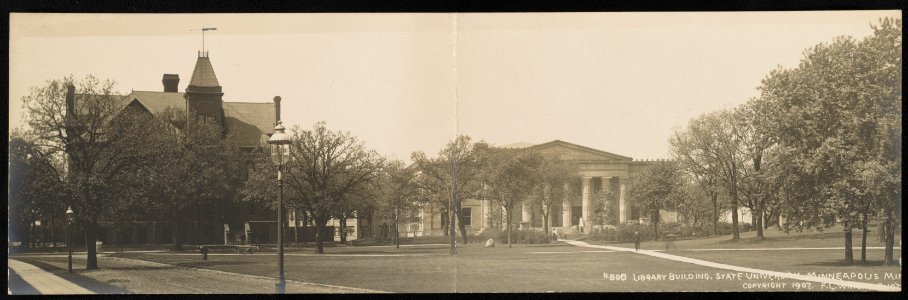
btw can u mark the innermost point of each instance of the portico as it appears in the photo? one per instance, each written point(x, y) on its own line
point(598, 171)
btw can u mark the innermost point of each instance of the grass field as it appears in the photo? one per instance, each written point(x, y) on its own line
point(557, 267)
point(552, 267)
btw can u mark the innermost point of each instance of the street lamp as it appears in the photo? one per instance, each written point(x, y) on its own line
point(280, 146)
point(69, 244)
point(37, 230)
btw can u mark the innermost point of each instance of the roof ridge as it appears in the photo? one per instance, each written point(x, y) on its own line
point(582, 147)
point(249, 102)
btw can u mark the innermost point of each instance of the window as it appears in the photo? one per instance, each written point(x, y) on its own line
point(466, 215)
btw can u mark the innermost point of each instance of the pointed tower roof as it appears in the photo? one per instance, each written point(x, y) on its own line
point(203, 75)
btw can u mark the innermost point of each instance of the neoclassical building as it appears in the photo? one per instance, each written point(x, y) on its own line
point(598, 170)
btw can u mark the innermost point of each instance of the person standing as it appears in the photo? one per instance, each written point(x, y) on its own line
point(636, 241)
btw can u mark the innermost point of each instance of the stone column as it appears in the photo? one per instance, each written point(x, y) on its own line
point(566, 214)
point(622, 205)
point(586, 203)
point(525, 214)
point(486, 213)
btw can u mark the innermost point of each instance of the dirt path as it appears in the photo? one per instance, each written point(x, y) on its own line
point(143, 277)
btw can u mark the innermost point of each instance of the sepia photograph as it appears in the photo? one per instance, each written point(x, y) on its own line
point(537, 152)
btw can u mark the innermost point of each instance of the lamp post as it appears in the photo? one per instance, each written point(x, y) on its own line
point(280, 145)
point(69, 244)
point(37, 231)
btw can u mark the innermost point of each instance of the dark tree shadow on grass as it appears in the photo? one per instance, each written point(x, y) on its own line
point(209, 264)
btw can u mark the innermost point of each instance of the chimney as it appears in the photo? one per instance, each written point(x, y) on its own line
point(170, 82)
point(277, 109)
point(70, 99)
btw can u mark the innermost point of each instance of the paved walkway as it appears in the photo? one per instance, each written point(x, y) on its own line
point(852, 284)
point(45, 282)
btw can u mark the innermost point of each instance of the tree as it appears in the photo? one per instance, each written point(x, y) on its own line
point(454, 173)
point(193, 166)
point(838, 116)
point(553, 179)
point(695, 208)
point(399, 193)
point(756, 139)
point(659, 186)
point(101, 140)
point(510, 177)
point(711, 149)
point(35, 188)
point(325, 168)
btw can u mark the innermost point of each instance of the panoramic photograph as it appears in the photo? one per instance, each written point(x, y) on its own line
point(334, 153)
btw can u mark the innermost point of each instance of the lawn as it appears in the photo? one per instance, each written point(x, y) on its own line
point(532, 268)
point(559, 267)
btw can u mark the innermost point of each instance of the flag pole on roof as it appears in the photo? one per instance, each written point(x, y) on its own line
point(203, 39)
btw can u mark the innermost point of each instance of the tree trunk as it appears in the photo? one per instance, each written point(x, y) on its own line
point(154, 229)
point(715, 197)
point(545, 225)
point(509, 227)
point(91, 238)
point(305, 227)
point(890, 239)
point(445, 218)
point(371, 226)
point(734, 215)
point(655, 219)
point(175, 233)
point(53, 231)
point(319, 245)
point(452, 231)
point(397, 228)
point(849, 253)
point(296, 225)
point(864, 237)
point(460, 224)
point(759, 221)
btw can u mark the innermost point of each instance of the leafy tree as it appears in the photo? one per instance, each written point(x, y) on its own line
point(659, 186)
point(696, 207)
point(838, 114)
point(510, 178)
point(553, 179)
point(325, 168)
point(35, 188)
point(400, 194)
point(101, 140)
point(756, 139)
point(454, 173)
point(711, 149)
point(193, 166)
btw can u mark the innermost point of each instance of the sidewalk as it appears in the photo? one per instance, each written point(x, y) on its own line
point(45, 283)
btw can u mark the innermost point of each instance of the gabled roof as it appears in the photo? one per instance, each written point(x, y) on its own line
point(157, 102)
point(596, 152)
point(248, 122)
point(203, 75)
point(517, 145)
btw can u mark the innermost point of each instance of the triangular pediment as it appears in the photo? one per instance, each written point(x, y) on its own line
point(569, 151)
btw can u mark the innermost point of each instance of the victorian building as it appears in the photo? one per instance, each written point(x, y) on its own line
point(248, 125)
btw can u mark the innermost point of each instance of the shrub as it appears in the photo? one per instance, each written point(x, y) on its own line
point(525, 236)
point(626, 232)
point(606, 233)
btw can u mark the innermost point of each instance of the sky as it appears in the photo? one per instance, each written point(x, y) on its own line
point(619, 82)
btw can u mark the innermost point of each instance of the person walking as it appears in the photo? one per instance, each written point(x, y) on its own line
point(636, 241)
